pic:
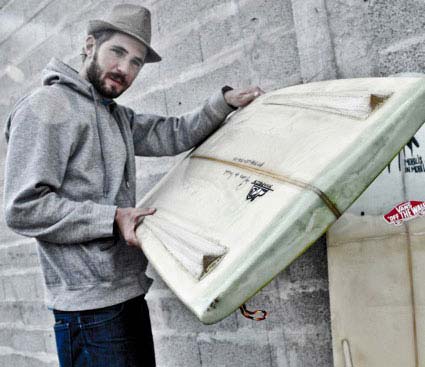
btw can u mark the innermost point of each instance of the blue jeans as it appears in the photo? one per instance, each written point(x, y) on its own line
point(114, 336)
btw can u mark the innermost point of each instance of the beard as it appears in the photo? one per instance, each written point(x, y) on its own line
point(94, 75)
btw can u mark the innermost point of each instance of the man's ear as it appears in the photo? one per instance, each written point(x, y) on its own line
point(90, 46)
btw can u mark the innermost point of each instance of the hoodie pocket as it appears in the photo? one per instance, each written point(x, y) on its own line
point(89, 263)
point(86, 264)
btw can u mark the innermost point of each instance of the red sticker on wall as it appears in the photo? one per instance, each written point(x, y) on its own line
point(404, 212)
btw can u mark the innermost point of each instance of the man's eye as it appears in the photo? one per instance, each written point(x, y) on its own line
point(137, 64)
point(117, 52)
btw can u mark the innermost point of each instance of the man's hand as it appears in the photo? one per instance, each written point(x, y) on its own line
point(241, 98)
point(127, 219)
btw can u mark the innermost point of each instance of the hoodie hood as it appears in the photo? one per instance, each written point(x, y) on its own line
point(57, 72)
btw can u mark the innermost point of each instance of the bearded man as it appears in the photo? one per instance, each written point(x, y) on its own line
point(70, 183)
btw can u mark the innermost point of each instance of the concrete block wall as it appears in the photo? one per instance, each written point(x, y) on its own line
point(205, 44)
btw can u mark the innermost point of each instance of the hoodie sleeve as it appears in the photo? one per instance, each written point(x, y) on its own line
point(163, 136)
point(41, 138)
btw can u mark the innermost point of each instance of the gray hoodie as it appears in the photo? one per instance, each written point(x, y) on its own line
point(70, 163)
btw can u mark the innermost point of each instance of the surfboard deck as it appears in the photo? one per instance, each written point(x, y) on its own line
point(376, 259)
point(256, 194)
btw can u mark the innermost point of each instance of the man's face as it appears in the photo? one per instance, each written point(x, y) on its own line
point(115, 64)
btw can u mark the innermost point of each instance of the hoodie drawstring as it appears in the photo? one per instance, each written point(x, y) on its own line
point(126, 169)
point(105, 176)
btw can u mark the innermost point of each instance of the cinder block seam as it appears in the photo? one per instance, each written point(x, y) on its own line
point(39, 356)
point(37, 12)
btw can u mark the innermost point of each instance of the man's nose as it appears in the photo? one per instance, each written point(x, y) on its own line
point(123, 66)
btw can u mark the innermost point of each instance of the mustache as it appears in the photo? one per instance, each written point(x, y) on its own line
point(117, 77)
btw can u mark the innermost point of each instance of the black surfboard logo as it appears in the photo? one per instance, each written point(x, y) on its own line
point(258, 189)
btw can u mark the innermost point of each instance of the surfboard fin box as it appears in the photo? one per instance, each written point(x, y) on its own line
point(354, 104)
point(196, 254)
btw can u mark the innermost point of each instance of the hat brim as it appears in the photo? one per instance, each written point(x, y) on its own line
point(99, 25)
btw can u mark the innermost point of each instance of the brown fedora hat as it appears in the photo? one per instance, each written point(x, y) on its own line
point(133, 20)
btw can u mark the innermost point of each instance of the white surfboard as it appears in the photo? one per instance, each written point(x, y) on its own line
point(266, 185)
point(376, 257)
